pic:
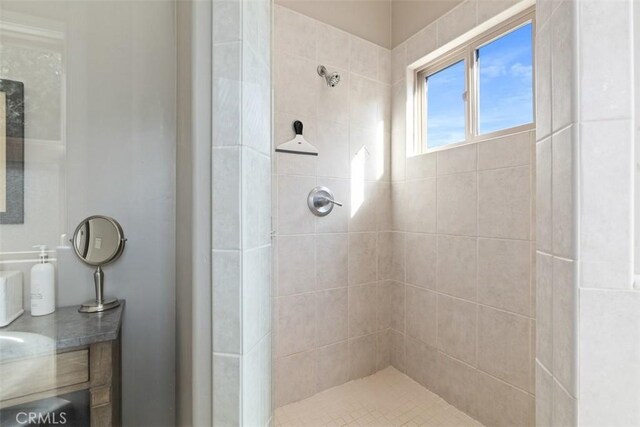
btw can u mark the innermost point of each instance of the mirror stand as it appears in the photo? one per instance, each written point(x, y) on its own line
point(99, 304)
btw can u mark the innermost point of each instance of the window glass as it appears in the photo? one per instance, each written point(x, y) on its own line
point(445, 106)
point(505, 81)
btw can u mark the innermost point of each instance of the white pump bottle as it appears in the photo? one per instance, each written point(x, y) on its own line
point(43, 294)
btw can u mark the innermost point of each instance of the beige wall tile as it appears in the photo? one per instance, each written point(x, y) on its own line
point(383, 306)
point(457, 208)
point(384, 211)
point(421, 166)
point(256, 296)
point(363, 99)
point(461, 19)
point(563, 66)
point(544, 225)
point(226, 308)
point(296, 264)
point(333, 135)
point(499, 404)
point(294, 216)
point(544, 310)
point(225, 206)
point(504, 274)
point(457, 323)
point(391, 257)
point(362, 258)
point(397, 349)
point(458, 159)
point(226, 390)
point(398, 63)
point(256, 198)
point(362, 356)
point(384, 65)
point(331, 316)
point(227, 110)
point(489, 9)
point(503, 346)
point(397, 297)
point(457, 265)
point(332, 260)
point(296, 85)
point(422, 363)
point(457, 383)
point(504, 205)
point(422, 43)
point(296, 324)
point(543, 77)
point(332, 367)
point(563, 197)
point(295, 377)
point(421, 317)
point(544, 397)
point(370, 152)
point(565, 412)
point(333, 49)
point(507, 151)
point(420, 205)
point(362, 310)
point(364, 58)
point(383, 355)
point(363, 212)
point(295, 33)
point(421, 252)
point(398, 153)
point(398, 107)
point(564, 323)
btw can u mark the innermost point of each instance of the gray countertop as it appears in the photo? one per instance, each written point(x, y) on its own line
point(30, 336)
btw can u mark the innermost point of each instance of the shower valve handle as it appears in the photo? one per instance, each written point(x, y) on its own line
point(330, 200)
point(321, 201)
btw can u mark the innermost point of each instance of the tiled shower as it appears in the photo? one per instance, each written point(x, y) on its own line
point(429, 266)
point(457, 269)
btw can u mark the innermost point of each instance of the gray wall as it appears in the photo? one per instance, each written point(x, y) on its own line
point(120, 161)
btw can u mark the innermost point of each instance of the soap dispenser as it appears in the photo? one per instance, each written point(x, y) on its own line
point(43, 296)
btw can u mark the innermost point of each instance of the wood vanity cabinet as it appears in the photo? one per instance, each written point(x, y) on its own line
point(87, 358)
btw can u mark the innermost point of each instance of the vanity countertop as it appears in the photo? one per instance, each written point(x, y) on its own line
point(30, 336)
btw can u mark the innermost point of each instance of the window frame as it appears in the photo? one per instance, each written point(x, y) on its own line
point(467, 53)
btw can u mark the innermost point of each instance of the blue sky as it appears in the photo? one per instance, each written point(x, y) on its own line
point(505, 86)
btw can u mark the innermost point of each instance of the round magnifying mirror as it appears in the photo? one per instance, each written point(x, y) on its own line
point(98, 241)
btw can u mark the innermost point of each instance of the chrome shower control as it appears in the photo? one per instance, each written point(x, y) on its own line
point(321, 201)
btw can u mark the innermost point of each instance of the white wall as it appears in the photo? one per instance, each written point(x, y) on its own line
point(120, 161)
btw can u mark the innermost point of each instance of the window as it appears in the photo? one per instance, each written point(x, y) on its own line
point(480, 90)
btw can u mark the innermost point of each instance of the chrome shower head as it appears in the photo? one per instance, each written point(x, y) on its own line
point(332, 79)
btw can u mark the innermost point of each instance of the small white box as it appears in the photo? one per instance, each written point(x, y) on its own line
point(10, 296)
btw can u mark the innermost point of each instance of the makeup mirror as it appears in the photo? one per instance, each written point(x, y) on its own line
point(98, 241)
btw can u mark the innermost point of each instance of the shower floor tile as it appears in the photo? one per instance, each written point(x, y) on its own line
point(386, 398)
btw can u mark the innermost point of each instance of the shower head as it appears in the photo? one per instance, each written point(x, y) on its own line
point(332, 79)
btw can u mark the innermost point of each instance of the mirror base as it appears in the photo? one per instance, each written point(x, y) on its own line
point(94, 307)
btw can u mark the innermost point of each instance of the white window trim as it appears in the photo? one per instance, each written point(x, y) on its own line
point(464, 47)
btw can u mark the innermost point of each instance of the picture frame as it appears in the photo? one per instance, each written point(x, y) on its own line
point(11, 152)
